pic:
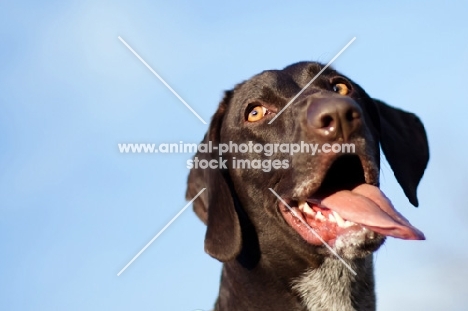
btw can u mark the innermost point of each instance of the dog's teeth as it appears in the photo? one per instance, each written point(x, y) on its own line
point(308, 210)
point(339, 220)
point(331, 218)
point(319, 216)
point(300, 205)
point(305, 208)
point(348, 223)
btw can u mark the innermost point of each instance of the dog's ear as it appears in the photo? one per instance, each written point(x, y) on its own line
point(215, 206)
point(195, 183)
point(404, 143)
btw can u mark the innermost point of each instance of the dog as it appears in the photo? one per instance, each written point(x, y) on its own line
point(269, 226)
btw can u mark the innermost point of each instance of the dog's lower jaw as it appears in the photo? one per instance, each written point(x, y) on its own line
point(332, 286)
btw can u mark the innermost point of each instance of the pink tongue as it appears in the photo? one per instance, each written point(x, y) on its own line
point(368, 206)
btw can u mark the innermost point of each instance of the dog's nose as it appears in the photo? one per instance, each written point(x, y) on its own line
point(333, 118)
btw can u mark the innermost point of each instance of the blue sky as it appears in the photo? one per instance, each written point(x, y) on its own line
point(74, 211)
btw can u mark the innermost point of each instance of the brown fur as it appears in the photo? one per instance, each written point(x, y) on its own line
point(267, 265)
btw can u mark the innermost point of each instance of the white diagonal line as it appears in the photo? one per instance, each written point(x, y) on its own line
point(313, 79)
point(160, 232)
point(313, 231)
point(162, 80)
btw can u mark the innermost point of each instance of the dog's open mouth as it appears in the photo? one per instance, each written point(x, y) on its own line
point(343, 204)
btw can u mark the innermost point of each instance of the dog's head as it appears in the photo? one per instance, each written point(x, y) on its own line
point(268, 200)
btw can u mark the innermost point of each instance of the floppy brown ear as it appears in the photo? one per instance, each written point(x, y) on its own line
point(404, 143)
point(215, 206)
point(195, 183)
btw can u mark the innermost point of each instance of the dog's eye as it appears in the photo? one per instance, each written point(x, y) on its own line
point(257, 113)
point(341, 88)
